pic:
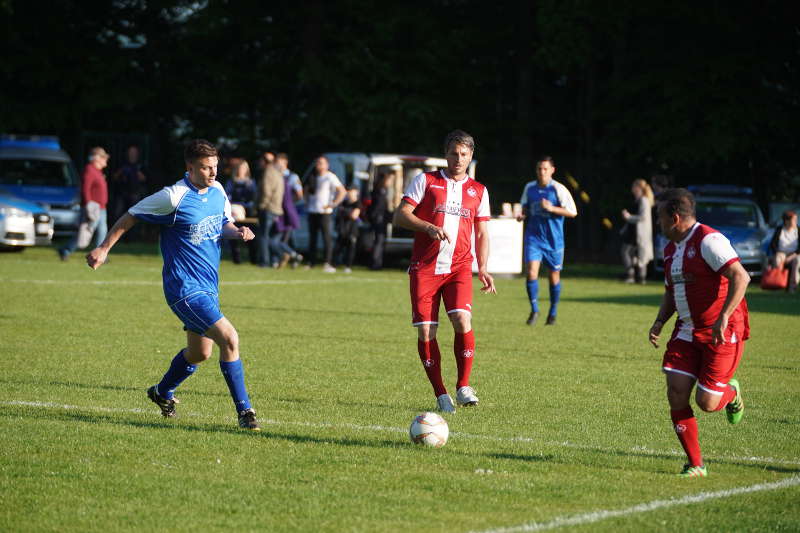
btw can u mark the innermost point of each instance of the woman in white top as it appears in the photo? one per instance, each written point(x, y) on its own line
point(324, 192)
point(784, 249)
point(635, 257)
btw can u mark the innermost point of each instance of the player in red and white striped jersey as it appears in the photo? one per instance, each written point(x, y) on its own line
point(705, 285)
point(444, 209)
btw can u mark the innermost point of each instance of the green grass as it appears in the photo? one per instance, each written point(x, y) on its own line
point(573, 418)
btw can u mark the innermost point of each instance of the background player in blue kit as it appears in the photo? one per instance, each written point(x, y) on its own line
point(545, 203)
point(194, 215)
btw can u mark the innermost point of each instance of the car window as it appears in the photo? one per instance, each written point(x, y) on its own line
point(727, 214)
point(36, 172)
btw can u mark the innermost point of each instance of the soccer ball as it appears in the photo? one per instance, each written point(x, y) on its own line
point(429, 429)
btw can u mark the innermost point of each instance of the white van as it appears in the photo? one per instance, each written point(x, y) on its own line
point(363, 168)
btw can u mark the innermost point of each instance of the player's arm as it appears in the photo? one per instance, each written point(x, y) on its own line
point(340, 194)
point(240, 233)
point(738, 279)
point(665, 312)
point(97, 257)
point(482, 256)
point(405, 218)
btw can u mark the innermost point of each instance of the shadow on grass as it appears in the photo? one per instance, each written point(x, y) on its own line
point(209, 428)
point(646, 455)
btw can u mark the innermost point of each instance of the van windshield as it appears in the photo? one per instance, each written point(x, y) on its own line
point(727, 214)
point(37, 172)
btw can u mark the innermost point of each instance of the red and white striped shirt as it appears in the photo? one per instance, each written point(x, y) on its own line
point(692, 270)
point(453, 205)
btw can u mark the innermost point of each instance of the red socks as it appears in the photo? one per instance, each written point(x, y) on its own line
point(431, 361)
point(464, 349)
point(685, 425)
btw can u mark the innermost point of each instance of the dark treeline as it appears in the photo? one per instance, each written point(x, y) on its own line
point(702, 91)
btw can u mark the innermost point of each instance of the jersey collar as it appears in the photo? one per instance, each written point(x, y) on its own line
point(689, 235)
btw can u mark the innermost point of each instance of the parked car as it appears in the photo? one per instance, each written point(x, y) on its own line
point(23, 223)
point(731, 211)
point(364, 168)
point(36, 169)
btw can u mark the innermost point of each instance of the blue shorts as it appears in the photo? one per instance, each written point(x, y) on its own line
point(198, 311)
point(554, 259)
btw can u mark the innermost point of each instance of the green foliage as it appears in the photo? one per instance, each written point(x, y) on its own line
point(572, 418)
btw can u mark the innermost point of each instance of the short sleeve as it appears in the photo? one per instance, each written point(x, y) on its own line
point(227, 208)
point(484, 212)
point(565, 199)
point(415, 190)
point(524, 199)
point(717, 251)
point(158, 208)
point(335, 181)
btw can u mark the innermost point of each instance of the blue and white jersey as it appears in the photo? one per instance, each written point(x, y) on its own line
point(546, 229)
point(191, 235)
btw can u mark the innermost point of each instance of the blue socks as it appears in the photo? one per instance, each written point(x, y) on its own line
point(555, 296)
point(533, 294)
point(233, 372)
point(179, 370)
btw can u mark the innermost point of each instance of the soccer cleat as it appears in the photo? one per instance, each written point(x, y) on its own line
point(445, 404)
point(735, 409)
point(693, 471)
point(167, 406)
point(551, 320)
point(247, 420)
point(328, 268)
point(532, 318)
point(466, 396)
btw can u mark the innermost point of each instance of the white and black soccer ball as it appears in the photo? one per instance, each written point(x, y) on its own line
point(429, 429)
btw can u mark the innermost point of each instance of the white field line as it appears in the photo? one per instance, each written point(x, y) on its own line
point(339, 279)
point(597, 516)
point(390, 429)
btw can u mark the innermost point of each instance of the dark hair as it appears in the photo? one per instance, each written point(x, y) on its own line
point(679, 201)
point(459, 137)
point(282, 155)
point(788, 215)
point(546, 158)
point(198, 149)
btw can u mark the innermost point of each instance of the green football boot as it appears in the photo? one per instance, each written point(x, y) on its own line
point(693, 471)
point(735, 409)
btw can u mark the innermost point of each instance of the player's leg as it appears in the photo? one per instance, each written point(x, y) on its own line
point(555, 262)
point(227, 339)
point(532, 258)
point(425, 297)
point(716, 386)
point(793, 264)
point(457, 296)
point(680, 364)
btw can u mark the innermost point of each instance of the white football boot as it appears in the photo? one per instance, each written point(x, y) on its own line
point(445, 404)
point(466, 396)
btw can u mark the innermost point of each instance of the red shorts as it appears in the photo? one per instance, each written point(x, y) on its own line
point(711, 365)
point(454, 288)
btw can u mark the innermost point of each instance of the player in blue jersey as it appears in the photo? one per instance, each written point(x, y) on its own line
point(545, 203)
point(194, 215)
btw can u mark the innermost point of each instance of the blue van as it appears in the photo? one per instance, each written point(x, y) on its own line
point(35, 168)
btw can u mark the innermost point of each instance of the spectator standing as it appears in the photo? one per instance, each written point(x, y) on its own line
point(94, 201)
point(545, 204)
point(270, 206)
point(784, 248)
point(241, 191)
point(128, 182)
point(325, 192)
point(347, 228)
point(379, 215)
point(637, 255)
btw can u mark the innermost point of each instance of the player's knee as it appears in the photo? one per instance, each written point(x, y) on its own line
point(197, 355)
point(677, 396)
point(462, 322)
point(707, 402)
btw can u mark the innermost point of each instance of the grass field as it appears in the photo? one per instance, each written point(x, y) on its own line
point(572, 433)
